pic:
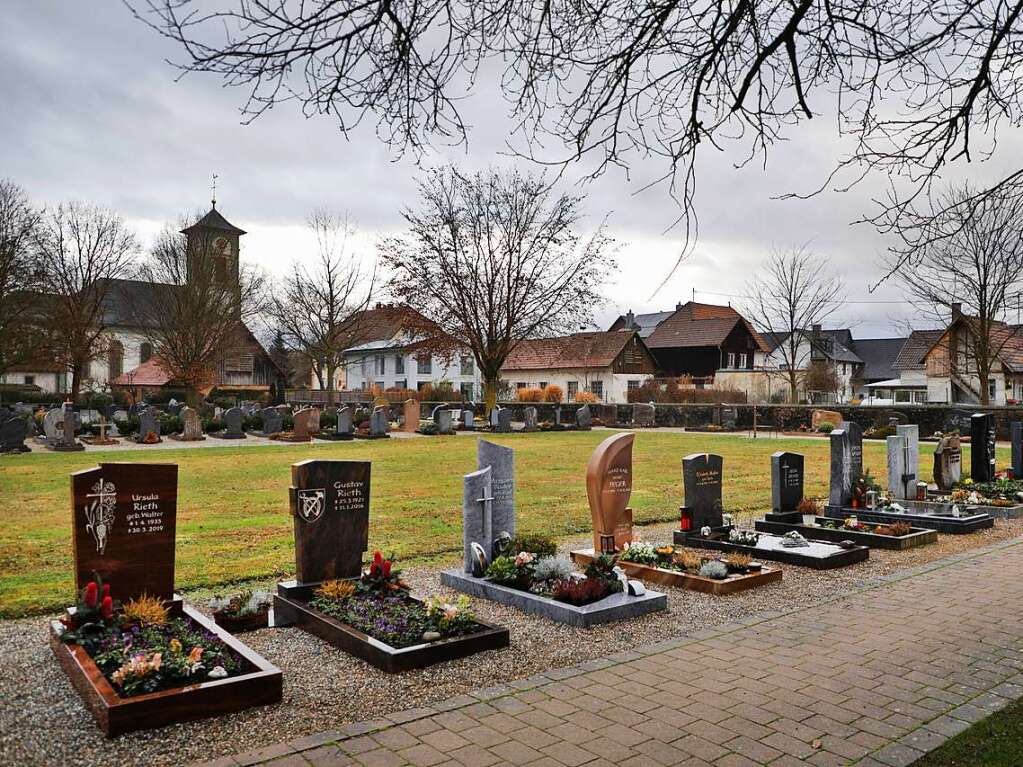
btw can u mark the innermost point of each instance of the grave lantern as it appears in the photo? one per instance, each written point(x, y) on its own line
point(685, 519)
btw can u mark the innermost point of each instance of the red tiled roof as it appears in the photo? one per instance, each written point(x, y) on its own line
point(579, 350)
point(911, 355)
point(149, 373)
point(700, 325)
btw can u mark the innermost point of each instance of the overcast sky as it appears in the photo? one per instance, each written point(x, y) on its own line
point(91, 111)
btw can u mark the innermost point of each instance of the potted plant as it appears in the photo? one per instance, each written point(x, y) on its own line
point(245, 611)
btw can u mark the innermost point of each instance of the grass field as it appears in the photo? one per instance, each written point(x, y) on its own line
point(233, 518)
point(993, 742)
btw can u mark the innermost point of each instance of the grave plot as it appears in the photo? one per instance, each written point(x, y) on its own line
point(1000, 496)
point(703, 525)
point(343, 428)
point(370, 614)
point(136, 653)
point(852, 495)
point(526, 573)
point(378, 426)
point(791, 511)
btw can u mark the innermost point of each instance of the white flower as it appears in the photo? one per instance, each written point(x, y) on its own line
point(217, 672)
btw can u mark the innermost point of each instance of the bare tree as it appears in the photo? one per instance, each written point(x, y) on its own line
point(81, 249)
point(493, 258)
point(318, 310)
point(915, 86)
point(788, 297)
point(965, 251)
point(193, 313)
point(20, 337)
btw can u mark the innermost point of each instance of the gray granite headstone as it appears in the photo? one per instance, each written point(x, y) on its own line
point(468, 420)
point(846, 463)
point(903, 462)
point(444, 422)
point(982, 447)
point(68, 424)
point(233, 418)
point(643, 414)
point(501, 461)
point(786, 481)
point(476, 514)
point(701, 480)
point(273, 421)
point(583, 418)
point(557, 416)
point(1016, 439)
point(149, 423)
point(50, 421)
point(435, 413)
point(500, 420)
point(529, 414)
point(12, 434)
point(344, 421)
point(378, 423)
point(191, 424)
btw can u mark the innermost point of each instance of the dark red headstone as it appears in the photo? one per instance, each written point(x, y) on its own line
point(330, 506)
point(124, 518)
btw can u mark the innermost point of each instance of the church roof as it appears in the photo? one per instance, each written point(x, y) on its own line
point(213, 220)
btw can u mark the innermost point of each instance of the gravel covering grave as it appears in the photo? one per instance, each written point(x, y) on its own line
point(43, 722)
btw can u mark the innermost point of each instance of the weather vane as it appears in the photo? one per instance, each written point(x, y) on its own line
point(214, 187)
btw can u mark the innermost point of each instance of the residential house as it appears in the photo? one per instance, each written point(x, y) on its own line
point(390, 354)
point(908, 383)
point(608, 364)
point(835, 349)
point(698, 340)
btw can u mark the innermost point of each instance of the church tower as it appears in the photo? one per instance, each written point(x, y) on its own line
point(213, 244)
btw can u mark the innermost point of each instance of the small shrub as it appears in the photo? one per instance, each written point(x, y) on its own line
point(581, 592)
point(825, 427)
point(428, 427)
point(602, 569)
point(740, 559)
point(541, 545)
point(714, 569)
point(552, 569)
point(529, 394)
point(553, 393)
point(336, 590)
point(145, 610)
point(809, 506)
point(503, 571)
point(688, 560)
point(586, 398)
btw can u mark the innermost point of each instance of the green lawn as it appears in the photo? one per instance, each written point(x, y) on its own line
point(233, 518)
point(993, 742)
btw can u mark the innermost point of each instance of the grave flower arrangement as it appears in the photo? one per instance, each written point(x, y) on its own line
point(380, 605)
point(686, 560)
point(141, 649)
point(547, 575)
point(245, 611)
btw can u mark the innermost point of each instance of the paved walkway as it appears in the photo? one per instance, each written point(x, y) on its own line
point(877, 678)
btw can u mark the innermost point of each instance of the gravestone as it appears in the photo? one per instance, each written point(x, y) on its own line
point(120, 415)
point(445, 424)
point(530, 417)
point(273, 421)
point(846, 463)
point(948, 462)
point(982, 447)
point(378, 423)
point(191, 424)
point(608, 489)
point(233, 424)
point(149, 424)
point(501, 462)
point(557, 415)
point(124, 519)
point(468, 420)
point(643, 414)
point(786, 481)
point(344, 422)
point(65, 430)
point(314, 420)
point(500, 420)
point(729, 417)
point(1016, 440)
point(330, 508)
point(13, 431)
point(903, 462)
point(283, 410)
point(300, 431)
point(701, 481)
point(50, 421)
point(583, 418)
point(958, 420)
point(411, 416)
point(477, 518)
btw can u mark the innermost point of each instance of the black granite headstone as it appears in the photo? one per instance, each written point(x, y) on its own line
point(701, 480)
point(786, 481)
point(982, 447)
point(12, 435)
point(1016, 437)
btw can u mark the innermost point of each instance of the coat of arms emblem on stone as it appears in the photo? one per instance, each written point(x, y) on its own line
point(311, 503)
point(100, 513)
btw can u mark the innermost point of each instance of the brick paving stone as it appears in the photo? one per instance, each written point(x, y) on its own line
point(328, 756)
point(422, 755)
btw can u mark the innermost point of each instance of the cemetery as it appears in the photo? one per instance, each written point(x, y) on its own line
point(136, 653)
point(369, 614)
point(527, 573)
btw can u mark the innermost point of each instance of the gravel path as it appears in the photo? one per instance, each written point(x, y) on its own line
point(42, 721)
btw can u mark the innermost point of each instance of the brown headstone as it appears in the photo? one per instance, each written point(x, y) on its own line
point(411, 415)
point(330, 507)
point(608, 488)
point(124, 517)
point(301, 428)
point(313, 420)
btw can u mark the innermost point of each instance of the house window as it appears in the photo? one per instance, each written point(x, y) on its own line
point(731, 360)
point(424, 364)
point(742, 361)
point(467, 369)
point(145, 352)
point(573, 389)
point(467, 393)
point(30, 380)
point(399, 364)
point(543, 384)
point(597, 389)
point(381, 364)
point(521, 384)
point(632, 385)
point(402, 384)
point(991, 388)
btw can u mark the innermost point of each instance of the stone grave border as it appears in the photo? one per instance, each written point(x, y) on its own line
point(787, 521)
point(943, 524)
point(662, 577)
point(841, 558)
point(612, 608)
point(291, 608)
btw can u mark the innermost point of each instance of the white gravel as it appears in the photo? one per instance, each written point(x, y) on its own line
point(43, 722)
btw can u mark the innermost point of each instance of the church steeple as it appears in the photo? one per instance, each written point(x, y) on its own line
point(213, 241)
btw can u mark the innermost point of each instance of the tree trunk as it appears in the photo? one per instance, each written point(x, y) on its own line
point(76, 381)
point(793, 388)
point(331, 370)
point(490, 392)
point(192, 398)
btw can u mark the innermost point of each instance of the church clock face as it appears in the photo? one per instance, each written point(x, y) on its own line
point(222, 246)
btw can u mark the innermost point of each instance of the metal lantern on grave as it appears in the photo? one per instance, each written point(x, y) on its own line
point(685, 523)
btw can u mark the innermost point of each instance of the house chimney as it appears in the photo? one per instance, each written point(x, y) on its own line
point(957, 310)
point(817, 329)
point(678, 305)
point(630, 320)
